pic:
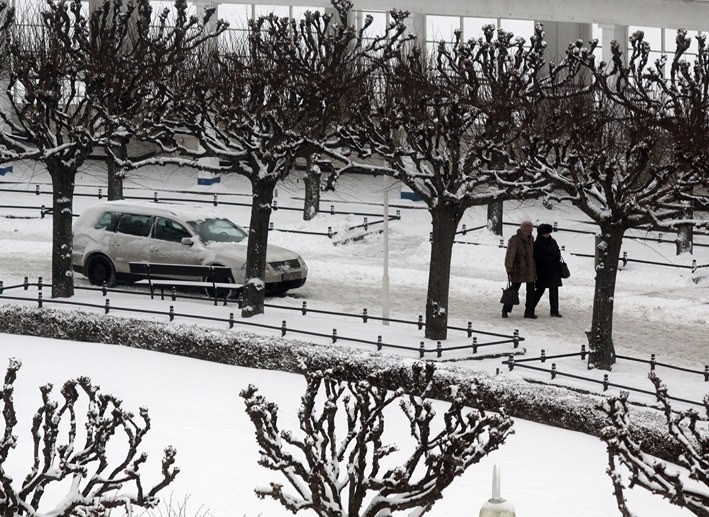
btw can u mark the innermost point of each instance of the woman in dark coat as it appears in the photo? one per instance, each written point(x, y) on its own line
point(519, 263)
point(547, 257)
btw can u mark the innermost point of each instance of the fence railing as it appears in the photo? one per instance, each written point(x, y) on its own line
point(284, 328)
point(554, 372)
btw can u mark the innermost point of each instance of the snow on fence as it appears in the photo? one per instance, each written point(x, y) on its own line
point(231, 321)
point(512, 362)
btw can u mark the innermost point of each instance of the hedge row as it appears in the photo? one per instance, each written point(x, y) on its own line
point(541, 403)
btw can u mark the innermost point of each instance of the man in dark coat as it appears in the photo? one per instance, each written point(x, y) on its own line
point(547, 257)
point(519, 263)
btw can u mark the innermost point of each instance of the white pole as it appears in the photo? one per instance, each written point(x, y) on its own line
point(385, 264)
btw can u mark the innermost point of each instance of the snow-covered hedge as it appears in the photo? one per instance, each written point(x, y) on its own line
point(542, 403)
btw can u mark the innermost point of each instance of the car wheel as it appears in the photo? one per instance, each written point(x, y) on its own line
point(221, 292)
point(101, 270)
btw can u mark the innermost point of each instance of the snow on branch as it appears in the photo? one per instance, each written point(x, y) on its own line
point(650, 473)
point(354, 472)
point(98, 480)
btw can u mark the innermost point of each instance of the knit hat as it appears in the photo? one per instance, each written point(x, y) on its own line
point(544, 228)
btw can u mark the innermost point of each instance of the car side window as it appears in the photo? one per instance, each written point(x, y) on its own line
point(134, 224)
point(108, 221)
point(169, 230)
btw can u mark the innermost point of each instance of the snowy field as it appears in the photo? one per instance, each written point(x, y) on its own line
point(195, 405)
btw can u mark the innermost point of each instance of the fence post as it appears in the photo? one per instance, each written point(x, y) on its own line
point(304, 309)
point(100, 193)
point(39, 300)
point(231, 320)
point(26, 283)
point(420, 322)
point(652, 362)
point(439, 349)
point(553, 370)
point(511, 362)
point(470, 329)
point(2, 287)
point(334, 335)
point(475, 345)
point(379, 342)
point(283, 328)
point(107, 306)
point(171, 312)
point(583, 352)
point(421, 350)
point(364, 315)
point(543, 357)
point(605, 382)
point(215, 200)
point(515, 338)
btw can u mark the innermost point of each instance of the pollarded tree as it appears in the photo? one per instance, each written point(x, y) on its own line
point(63, 81)
point(65, 456)
point(680, 103)
point(330, 62)
point(651, 473)
point(346, 473)
point(607, 150)
point(237, 102)
point(130, 49)
point(450, 129)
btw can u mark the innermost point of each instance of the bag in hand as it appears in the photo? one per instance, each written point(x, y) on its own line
point(564, 269)
point(509, 296)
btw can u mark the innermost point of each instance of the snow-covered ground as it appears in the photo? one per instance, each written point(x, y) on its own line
point(195, 406)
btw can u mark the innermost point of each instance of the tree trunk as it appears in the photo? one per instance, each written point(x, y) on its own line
point(254, 284)
point(600, 337)
point(445, 223)
point(62, 208)
point(116, 174)
point(494, 208)
point(311, 206)
point(494, 217)
point(685, 232)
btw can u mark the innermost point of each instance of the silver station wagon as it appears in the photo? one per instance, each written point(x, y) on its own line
point(108, 236)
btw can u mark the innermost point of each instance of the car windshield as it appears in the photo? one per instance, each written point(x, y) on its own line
point(217, 230)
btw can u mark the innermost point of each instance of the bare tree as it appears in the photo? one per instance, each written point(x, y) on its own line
point(62, 453)
point(450, 130)
point(609, 148)
point(237, 102)
point(131, 49)
point(65, 89)
point(651, 473)
point(346, 474)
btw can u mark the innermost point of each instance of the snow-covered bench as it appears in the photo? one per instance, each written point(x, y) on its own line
point(216, 280)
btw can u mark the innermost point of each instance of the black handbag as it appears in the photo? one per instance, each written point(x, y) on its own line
point(509, 296)
point(564, 269)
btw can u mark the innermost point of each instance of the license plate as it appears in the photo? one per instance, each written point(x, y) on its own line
point(291, 275)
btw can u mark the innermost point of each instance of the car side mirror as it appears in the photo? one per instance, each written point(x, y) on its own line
point(187, 241)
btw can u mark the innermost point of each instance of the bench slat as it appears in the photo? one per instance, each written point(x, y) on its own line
point(190, 283)
point(144, 268)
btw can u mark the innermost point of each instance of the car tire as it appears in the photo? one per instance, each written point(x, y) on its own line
point(101, 270)
point(221, 293)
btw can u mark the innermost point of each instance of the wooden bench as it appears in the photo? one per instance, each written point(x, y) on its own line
point(215, 277)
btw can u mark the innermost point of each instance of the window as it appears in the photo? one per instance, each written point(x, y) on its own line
point(217, 230)
point(169, 230)
point(107, 221)
point(133, 224)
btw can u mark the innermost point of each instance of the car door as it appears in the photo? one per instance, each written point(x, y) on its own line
point(130, 241)
point(166, 244)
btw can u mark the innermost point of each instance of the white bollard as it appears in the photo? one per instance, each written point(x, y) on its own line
point(496, 506)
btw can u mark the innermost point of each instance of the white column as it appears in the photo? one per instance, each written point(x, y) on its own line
point(611, 33)
point(558, 35)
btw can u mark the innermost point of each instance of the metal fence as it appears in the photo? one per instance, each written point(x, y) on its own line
point(475, 335)
point(554, 372)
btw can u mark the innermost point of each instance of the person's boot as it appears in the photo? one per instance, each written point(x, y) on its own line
point(530, 314)
point(504, 312)
point(556, 315)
